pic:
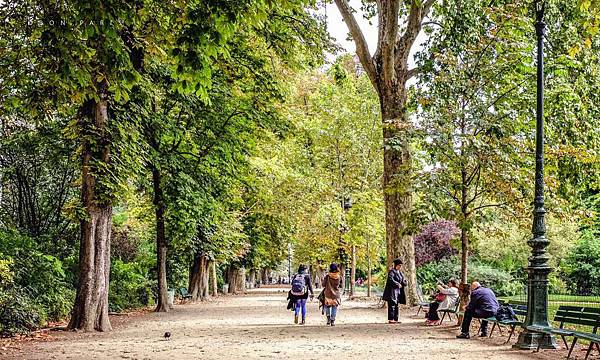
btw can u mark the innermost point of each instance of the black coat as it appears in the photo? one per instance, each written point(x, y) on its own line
point(394, 287)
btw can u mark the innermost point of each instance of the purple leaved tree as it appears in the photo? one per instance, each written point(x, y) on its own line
point(433, 243)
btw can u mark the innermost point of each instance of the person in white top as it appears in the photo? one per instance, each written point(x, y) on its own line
point(445, 299)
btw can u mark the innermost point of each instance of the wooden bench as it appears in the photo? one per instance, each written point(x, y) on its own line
point(519, 310)
point(184, 294)
point(573, 315)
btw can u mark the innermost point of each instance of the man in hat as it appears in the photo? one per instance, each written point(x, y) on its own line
point(394, 291)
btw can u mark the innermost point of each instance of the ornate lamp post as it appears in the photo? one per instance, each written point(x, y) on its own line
point(538, 269)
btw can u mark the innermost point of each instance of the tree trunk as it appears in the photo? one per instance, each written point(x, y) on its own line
point(252, 278)
point(265, 276)
point(213, 278)
point(199, 273)
point(464, 256)
point(368, 270)
point(353, 271)
point(162, 303)
point(397, 184)
point(235, 277)
point(90, 311)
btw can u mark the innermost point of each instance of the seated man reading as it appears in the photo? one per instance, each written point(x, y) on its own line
point(483, 305)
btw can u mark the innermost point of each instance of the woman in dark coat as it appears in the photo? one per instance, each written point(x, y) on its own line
point(394, 291)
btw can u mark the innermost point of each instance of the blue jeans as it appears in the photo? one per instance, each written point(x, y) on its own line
point(331, 311)
point(300, 304)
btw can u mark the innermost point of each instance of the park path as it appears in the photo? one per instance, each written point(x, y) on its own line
point(257, 326)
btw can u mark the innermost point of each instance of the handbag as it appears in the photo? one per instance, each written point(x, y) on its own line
point(440, 297)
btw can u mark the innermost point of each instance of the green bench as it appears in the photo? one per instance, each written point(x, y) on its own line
point(184, 294)
point(421, 301)
point(519, 310)
point(450, 311)
point(573, 315)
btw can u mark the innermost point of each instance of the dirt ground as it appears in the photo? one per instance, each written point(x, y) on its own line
point(258, 326)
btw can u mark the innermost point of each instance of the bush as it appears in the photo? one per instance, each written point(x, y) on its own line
point(33, 289)
point(433, 243)
point(130, 286)
point(582, 266)
point(19, 313)
point(501, 281)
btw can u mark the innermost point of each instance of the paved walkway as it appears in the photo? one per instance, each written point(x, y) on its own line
point(257, 326)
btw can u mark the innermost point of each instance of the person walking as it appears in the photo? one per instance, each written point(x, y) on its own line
point(394, 291)
point(332, 283)
point(301, 286)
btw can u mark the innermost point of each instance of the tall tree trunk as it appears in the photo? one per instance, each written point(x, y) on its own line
point(233, 276)
point(162, 304)
point(388, 71)
point(397, 184)
point(252, 278)
point(90, 311)
point(199, 273)
point(265, 276)
point(353, 271)
point(213, 278)
point(369, 278)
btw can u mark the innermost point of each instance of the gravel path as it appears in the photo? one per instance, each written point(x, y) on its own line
point(257, 326)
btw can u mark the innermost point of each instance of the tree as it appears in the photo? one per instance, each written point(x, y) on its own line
point(388, 70)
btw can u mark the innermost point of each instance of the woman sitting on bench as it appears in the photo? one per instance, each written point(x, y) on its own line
point(445, 299)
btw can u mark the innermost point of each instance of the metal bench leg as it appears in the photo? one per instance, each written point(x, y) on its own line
point(512, 331)
point(540, 342)
point(492, 331)
point(565, 341)
point(572, 347)
point(589, 350)
point(443, 317)
point(418, 311)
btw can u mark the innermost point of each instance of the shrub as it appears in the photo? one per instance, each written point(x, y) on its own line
point(582, 266)
point(33, 289)
point(501, 281)
point(130, 286)
point(433, 243)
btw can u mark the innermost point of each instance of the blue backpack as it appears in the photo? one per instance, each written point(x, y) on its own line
point(299, 285)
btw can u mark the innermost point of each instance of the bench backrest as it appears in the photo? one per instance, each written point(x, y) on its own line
point(420, 296)
point(520, 310)
point(183, 291)
point(578, 315)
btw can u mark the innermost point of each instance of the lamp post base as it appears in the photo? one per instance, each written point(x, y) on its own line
point(529, 341)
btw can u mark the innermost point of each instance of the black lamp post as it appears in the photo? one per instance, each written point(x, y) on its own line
point(538, 269)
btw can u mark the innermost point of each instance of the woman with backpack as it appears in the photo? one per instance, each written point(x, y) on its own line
point(332, 284)
point(301, 285)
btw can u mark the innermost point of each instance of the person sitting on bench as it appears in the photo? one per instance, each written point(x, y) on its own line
point(483, 305)
point(445, 299)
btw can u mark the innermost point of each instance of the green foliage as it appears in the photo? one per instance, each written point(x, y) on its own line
point(500, 281)
point(131, 284)
point(582, 266)
point(33, 289)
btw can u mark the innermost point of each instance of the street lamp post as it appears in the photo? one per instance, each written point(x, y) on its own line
point(538, 269)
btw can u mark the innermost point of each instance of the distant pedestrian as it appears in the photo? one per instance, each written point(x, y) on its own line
point(301, 286)
point(332, 283)
point(394, 292)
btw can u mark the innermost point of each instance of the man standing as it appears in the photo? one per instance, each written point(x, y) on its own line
point(483, 305)
point(394, 291)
